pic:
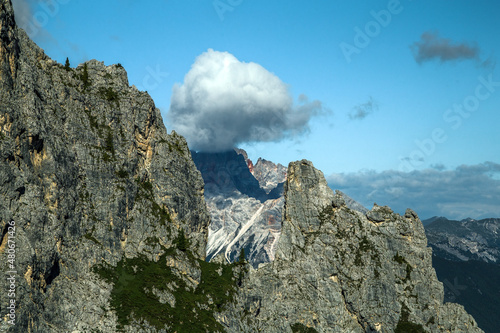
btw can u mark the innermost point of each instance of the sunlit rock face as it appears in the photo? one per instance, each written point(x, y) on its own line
point(89, 175)
point(341, 270)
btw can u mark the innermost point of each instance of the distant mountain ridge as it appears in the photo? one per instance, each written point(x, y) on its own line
point(244, 214)
point(268, 174)
point(464, 240)
point(466, 259)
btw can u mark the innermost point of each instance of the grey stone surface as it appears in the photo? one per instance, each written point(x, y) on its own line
point(338, 271)
point(243, 214)
point(88, 173)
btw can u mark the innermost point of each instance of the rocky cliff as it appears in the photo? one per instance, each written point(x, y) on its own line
point(339, 270)
point(94, 184)
point(111, 225)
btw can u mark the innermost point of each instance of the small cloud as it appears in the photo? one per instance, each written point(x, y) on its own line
point(361, 111)
point(224, 102)
point(489, 63)
point(33, 15)
point(431, 46)
point(438, 166)
point(24, 12)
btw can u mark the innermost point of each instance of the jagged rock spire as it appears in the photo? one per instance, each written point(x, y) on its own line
point(341, 270)
point(9, 45)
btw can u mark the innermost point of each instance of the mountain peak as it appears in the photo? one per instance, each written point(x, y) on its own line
point(7, 19)
point(357, 274)
point(9, 44)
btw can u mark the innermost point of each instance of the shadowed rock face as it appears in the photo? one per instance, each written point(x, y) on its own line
point(466, 257)
point(465, 240)
point(244, 215)
point(226, 173)
point(339, 270)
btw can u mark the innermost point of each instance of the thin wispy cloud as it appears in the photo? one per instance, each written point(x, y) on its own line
point(33, 15)
point(489, 63)
point(431, 47)
point(467, 191)
point(224, 102)
point(361, 111)
point(23, 11)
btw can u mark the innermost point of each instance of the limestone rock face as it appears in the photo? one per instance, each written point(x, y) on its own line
point(340, 270)
point(245, 202)
point(243, 214)
point(88, 174)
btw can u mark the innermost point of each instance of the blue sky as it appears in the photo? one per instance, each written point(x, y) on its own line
point(389, 79)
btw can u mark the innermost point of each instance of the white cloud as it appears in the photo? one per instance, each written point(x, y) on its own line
point(224, 102)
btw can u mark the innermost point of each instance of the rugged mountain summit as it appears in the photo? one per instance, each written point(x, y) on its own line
point(245, 203)
point(339, 270)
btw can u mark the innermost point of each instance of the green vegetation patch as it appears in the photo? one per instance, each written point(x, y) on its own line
point(109, 94)
point(92, 119)
point(366, 246)
point(108, 144)
point(404, 325)
point(107, 148)
point(90, 236)
point(301, 328)
point(401, 260)
point(132, 296)
point(326, 214)
point(122, 173)
point(85, 77)
point(175, 146)
point(67, 66)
